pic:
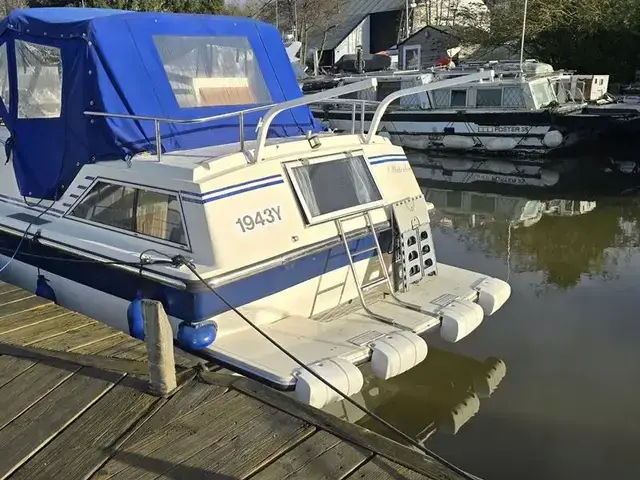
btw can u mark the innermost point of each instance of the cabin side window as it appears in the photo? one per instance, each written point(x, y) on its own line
point(4, 76)
point(332, 187)
point(151, 213)
point(387, 88)
point(39, 70)
point(441, 98)
point(458, 98)
point(212, 71)
point(489, 97)
point(542, 94)
point(513, 98)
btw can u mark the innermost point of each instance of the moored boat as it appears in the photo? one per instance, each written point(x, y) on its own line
point(173, 157)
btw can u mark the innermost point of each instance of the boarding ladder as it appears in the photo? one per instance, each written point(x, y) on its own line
point(364, 286)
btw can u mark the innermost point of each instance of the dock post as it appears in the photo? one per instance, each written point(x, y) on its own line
point(159, 341)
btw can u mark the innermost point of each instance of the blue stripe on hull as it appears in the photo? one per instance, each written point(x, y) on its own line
point(184, 304)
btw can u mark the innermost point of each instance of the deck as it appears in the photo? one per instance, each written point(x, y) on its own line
point(74, 404)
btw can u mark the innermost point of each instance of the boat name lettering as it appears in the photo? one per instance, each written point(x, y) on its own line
point(259, 218)
point(503, 129)
point(399, 168)
point(487, 177)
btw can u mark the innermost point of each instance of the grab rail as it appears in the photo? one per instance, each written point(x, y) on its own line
point(158, 120)
point(306, 100)
point(436, 85)
point(354, 102)
point(274, 109)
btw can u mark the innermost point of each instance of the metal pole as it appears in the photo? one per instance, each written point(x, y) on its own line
point(295, 15)
point(406, 19)
point(524, 29)
point(242, 132)
point(353, 118)
point(158, 140)
point(362, 117)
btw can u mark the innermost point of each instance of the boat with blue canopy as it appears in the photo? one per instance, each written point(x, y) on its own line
point(173, 157)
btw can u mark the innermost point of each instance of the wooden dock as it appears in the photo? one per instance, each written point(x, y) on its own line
point(74, 404)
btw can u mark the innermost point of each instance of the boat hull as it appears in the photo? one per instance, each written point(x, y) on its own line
point(503, 133)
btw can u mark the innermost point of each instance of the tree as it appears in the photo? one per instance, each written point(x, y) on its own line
point(186, 6)
point(599, 36)
point(303, 18)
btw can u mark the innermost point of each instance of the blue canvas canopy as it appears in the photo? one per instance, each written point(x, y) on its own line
point(58, 63)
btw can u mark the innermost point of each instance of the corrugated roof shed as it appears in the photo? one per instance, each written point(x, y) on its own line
point(352, 12)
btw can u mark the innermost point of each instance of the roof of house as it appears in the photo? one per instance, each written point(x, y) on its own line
point(352, 12)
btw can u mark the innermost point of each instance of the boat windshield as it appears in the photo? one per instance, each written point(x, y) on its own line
point(207, 71)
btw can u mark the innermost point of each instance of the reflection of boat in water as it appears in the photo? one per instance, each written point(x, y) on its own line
point(440, 395)
point(574, 178)
point(469, 171)
point(482, 208)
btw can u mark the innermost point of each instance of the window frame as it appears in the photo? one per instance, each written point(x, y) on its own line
point(138, 186)
point(406, 48)
point(309, 219)
point(466, 97)
point(211, 39)
point(16, 90)
point(480, 89)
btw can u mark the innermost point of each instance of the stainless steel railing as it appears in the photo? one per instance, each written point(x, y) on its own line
point(273, 110)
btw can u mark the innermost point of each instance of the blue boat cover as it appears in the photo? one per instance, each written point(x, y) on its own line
point(58, 63)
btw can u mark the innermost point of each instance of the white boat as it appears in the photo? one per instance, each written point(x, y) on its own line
point(530, 109)
point(173, 157)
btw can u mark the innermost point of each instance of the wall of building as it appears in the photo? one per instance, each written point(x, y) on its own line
point(433, 44)
point(358, 36)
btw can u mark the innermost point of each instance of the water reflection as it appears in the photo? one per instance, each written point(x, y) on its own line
point(438, 396)
point(569, 333)
point(564, 238)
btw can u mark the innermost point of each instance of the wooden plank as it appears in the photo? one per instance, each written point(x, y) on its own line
point(11, 367)
point(322, 456)
point(352, 433)
point(162, 449)
point(87, 443)
point(25, 390)
point(7, 287)
point(41, 331)
point(35, 428)
point(77, 338)
point(192, 396)
point(29, 317)
point(379, 468)
point(96, 361)
point(29, 303)
point(14, 295)
point(103, 345)
point(121, 347)
point(244, 451)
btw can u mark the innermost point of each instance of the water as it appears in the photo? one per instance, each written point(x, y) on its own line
point(569, 336)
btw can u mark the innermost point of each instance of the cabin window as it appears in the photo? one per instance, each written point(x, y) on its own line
point(4, 76)
point(328, 187)
point(542, 94)
point(136, 210)
point(458, 98)
point(39, 70)
point(512, 97)
point(212, 71)
point(441, 98)
point(489, 97)
point(387, 88)
point(411, 57)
